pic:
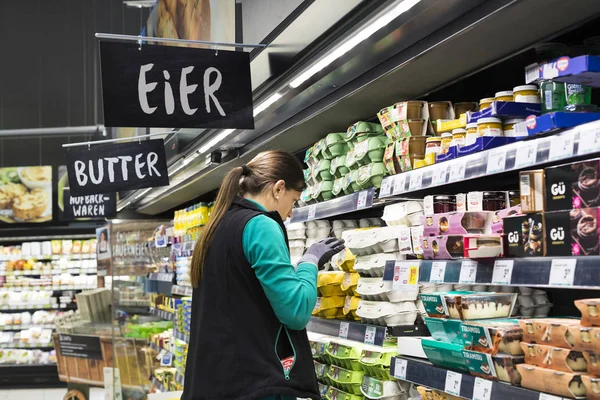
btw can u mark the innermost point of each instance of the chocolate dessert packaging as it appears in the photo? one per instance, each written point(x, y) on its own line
point(493, 336)
point(572, 232)
point(590, 311)
point(531, 187)
point(592, 387)
point(573, 185)
point(555, 358)
point(446, 247)
point(525, 235)
point(554, 332)
point(457, 223)
point(464, 305)
point(499, 367)
point(564, 384)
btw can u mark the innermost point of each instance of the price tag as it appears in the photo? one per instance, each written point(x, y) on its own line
point(546, 396)
point(561, 146)
point(589, 138)
point(362, 200)
point(312, 210)
point(502, 272)
point(532, 73)
point(526, 154)
point(416, 180)
point(370, 332)
point(386, 187)
point(468, 272)
point(405, 273)
point(457, 172)
point(344, 328)
point(400, 368)
point(438, 270)
point(453, 381)
point(399, 184)
point(482, 389)
point(496, 161)
point(562, 272)
point(439, 175)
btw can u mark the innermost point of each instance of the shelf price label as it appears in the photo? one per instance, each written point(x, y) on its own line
point(361, 202)
point(457, 171)
point(405, 273)
point(482, 389)
point(370, 332)
point(546, 396)
point(562, 272)
point(468, 272)
point(400, 368)
point(438, 270)
point(589, 138)
point(416, 180)
point(453, 382)
point(496, 161)
point(561, 146)
point(502, 272)
point(386, 187)
point(526, 154)
point(399, 184)
point(439, 175)
point(344, 328)
point(312, 210)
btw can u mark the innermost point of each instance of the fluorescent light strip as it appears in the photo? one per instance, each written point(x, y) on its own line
point(215, 140)
point(267, 103)
point(355, 40)
point(123, 206)
point(143, 193)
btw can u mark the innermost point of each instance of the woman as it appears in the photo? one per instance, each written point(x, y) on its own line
point(250, 306)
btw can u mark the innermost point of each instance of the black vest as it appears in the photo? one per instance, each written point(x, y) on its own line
point(232, 350)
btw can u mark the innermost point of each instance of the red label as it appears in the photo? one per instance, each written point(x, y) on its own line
point(287, 363)
point(531, 122)
point(562, 63)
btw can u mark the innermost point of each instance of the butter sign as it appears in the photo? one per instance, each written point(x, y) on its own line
point(168, 86)
point(109, 168)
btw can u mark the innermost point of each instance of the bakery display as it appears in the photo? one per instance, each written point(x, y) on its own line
point(26, 194)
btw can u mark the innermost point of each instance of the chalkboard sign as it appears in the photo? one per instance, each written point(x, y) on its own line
point(168, 86)
point(80, 346)
point(109, 168)
point(93, 206)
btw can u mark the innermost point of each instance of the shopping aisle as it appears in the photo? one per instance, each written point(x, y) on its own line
point(45, 394)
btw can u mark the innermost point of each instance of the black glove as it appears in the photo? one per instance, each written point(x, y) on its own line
point(321, 252)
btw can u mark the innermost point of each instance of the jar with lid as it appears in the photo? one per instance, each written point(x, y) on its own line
point(472, 134)
point(508, 126)
point(489, 126)
point(459, 137)
point(446, 142)
point(506, 95)
point(485, 103)
point(527, 94)
point(553, 96)
point(432, 147)
point(444, 203)
point(493, 201)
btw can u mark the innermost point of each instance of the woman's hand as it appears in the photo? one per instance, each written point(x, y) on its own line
point(321, 252)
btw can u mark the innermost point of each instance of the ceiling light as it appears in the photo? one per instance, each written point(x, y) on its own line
point(215, 140)
point(355, 40)
point(142, 193)
point(140, 3)
point(123, 206)
point(267, 103)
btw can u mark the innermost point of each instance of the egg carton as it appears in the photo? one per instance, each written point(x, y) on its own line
point(376, 289)
point(318, 229)
point(386, 313)
point(341, 226)
point(372, 241)
point(370, 222)
point(296, 230)
point(390, 390)
point(427, 287)
point(407, 213)
point(374, 264)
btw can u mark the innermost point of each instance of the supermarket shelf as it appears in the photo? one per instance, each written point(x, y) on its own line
point(134, 309)
point(21, 327)
point(364, 333)
point(161, 277)
point(423, 373)
point(181, 336)
point(44, 346)
point(52, 272)
point(158, 385)
point(46, 288)
point(29, 375)
point(169, 316)
point(524, 154)
point(179, 378)
point(342, 205)
point(70, 257)
point(34, 308)
point(182, 290)
point(159, 349)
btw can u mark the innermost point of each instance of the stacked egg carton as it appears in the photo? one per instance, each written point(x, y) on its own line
point(337, 290)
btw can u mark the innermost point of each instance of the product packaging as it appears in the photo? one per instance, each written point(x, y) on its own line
point(457, 223)
point(445, 355)
point(531, 186)
point(463, 305)
point(462, 246)
point(573, 185)
point(549, 331)
point(497, 219)
point(499, 367)
point(445, 330)
point(558, 120)
point(590, 311)
point(556, 358)
point(493, 336)
point(559, 383)
point(525, 235)
point(572, 233)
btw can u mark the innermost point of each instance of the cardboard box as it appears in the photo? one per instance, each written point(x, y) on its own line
point(573, 185)
point(584, 70)
point(549, 331)
point(532, 190)
point(559, 383)
point(557, 120)
point(585, 338)
point(592, 387)
point(572, 233)
point(462, 246)
point(505, 109)
point(525, 236)
point(457, 223)
point(556, 358)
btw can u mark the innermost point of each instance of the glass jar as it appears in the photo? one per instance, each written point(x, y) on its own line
point(432, 147)
point(459, 137)
point(508, 126)
point(446, 142)
point(444, 203)
point(472, 134)
point(485, 103)
point(553, 96)
point(493, 201)
point(506, 95)
point(577, 94)
point(527, 94)
point(489, 127)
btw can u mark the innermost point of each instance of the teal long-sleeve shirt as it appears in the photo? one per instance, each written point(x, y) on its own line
point(291, 291)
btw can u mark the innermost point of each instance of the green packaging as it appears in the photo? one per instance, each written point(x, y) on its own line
point(577, 94)
point(445, 355)
point(445, 330)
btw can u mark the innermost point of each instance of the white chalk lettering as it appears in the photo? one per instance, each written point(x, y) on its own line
point(169, 100)
point(144, 88)
point(80, 173)
point(211, 88)
point(124, 170)
point(185, 90)
point(111, 161)
point(152, 159)
point(97, 180)
point(138, 166)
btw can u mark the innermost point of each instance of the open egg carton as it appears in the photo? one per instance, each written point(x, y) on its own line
point(407, 213)
point(376, 289)
point(373, 265)
point(372, 241)
point(387, 314)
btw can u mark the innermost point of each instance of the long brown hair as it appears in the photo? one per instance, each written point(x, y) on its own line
point(259, 174)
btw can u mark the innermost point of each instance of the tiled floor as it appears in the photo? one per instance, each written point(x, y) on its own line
point(44, 394)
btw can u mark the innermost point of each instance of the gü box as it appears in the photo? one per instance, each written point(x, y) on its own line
point(573, 185)
point(525, 236)
point(572, 232)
